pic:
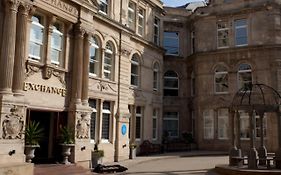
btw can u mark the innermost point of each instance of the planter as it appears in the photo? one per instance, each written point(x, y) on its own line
point(96, 158)
point(133, 152)
point(29, 152)
point(66, 152)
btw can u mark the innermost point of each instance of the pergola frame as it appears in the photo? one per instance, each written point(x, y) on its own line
point(254, 99)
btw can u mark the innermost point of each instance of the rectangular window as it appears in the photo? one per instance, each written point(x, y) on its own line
point(208, 117)
point(223, 124)
point(132, 15)
point(94, 57)
point(154, 124)
point(138, 122)
point(104, 6)
point(241, 33)
point(93, 105)
point(258, 128)
point(36, 37)
point(107, 64)
point(106, 113)
point(223, 35)
point(141, 21)
point(171, 124)
point(156, 31)
point(171, 43)
point(56, 44)
point(244, 125)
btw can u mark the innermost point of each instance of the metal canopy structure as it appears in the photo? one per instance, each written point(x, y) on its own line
point(254, 99)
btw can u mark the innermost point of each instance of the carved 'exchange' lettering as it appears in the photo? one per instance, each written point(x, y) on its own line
point(43, 88)
point(63, 6)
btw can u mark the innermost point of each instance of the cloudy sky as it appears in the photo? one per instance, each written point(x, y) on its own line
point(175, 3)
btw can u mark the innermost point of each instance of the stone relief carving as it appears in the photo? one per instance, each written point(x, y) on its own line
point(30, 70)
point(105, 87)
point(125, 52)
point(13, 124)
point(47, 72)
point(83, 126)
point(60, 76)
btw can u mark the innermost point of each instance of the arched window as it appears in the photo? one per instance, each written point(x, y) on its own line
point(244, 76)
point(156, 77)
point(221, 79)
point(94, 66)
point(135, 70)
point(36, 37)
point(108, 61)
point(56, 44)
point(171, 84)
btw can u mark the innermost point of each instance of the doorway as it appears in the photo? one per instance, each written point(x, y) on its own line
point(49, 150)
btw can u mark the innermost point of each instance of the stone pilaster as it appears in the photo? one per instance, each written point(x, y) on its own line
point(86, 57)
point(77, 64)
point(262, 150)
point(8, 46)
point(20, 53)
point(253, 155)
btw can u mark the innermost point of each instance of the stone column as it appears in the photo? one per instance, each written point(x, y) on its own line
point(86, 57)
point(234, 151)
point(278, 153)
point(20, 53)
point(253, 155)
point(133, 123)
point(77, 64)
point(262, 150)
point(238, 131)
point(8, 46)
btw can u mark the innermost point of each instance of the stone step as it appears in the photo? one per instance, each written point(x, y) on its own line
point(58, 169)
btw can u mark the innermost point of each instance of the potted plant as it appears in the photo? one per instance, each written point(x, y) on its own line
point(133, 150)
point(97, 156)
point(33, 134)
point(67, 139)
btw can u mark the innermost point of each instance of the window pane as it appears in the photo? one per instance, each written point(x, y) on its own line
point(105, 126)
point(171, 43)
point(208, 124)
point(223, 123)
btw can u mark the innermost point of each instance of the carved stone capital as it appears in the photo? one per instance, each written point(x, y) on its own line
point(24, 8)
point(11, 5)
point(78, 30)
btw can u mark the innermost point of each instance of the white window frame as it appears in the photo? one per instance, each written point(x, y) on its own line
point(240, 83)
point(109, 72)
point(223, 29)
point(94, 110)
point(217, 74)
point(223, 115)
point(104, 3)
point(155, 119)
point(94, 44)
point(156, 34)
point(141, 18)
point(59, 50)
point(156, 77)
point(172, 119)
point(132, 12)
point(208, 131)
point(241, 27)
point(108, 112)
point(137, 64)
point(36, 42)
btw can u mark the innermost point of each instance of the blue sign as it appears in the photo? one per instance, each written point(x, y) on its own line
point(123, 129)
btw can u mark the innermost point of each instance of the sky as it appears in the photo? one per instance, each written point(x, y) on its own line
point(175, 3)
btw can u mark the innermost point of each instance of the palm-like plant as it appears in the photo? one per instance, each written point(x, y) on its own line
point(67, 135)
point(33, 133)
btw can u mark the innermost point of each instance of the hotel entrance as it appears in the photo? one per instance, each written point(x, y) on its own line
point(51, 122)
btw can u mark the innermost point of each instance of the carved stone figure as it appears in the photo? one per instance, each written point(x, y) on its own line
point(83, 125)
point(13, 125)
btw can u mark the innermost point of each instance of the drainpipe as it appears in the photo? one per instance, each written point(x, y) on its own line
point(116, 144)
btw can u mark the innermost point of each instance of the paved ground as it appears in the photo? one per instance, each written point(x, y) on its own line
point(178, 163)
point(190, 163)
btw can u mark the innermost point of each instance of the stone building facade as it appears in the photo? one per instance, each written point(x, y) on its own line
point(94, 66)
point(220, 49)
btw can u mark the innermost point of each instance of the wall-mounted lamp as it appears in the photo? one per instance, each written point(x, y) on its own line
point(12, 152)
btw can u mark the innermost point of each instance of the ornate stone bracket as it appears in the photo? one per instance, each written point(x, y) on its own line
point(125, 52)
point(13, 124)
point(30, 70)
point(82, 126)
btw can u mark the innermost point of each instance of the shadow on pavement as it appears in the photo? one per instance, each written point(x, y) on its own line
point(181, 172)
